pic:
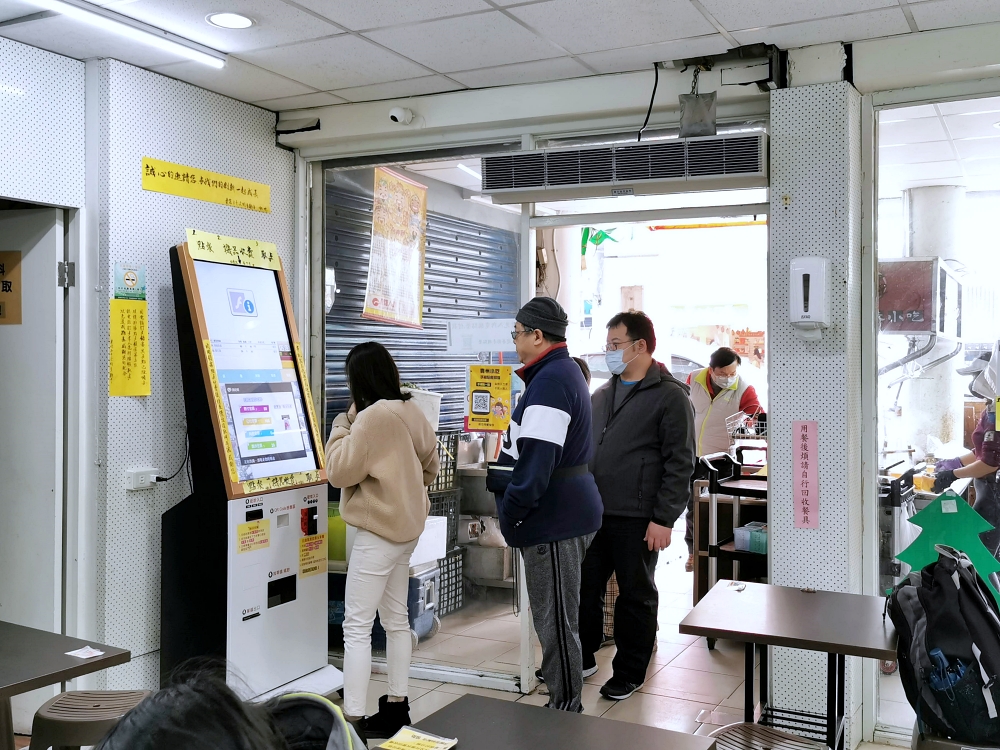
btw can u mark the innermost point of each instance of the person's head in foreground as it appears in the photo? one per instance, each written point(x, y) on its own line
point(630, 344)
point(201, 713)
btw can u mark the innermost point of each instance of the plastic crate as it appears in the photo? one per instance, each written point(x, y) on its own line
point(447, 478)
point(447, 503)
point(450, 589)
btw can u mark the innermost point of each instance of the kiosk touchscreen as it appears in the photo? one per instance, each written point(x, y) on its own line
point(244, 572)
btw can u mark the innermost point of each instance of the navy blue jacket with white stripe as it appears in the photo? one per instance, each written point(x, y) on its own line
point(550, 429)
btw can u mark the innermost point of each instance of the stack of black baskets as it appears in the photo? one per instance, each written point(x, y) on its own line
point(445, 496)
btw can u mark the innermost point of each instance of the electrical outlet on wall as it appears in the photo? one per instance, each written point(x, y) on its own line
point(141, 479)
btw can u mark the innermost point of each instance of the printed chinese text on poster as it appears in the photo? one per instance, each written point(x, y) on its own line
point(312, 555)
point(128, 366)
point(200, 184)
point(805, 486)
point(395, 289)
point(10, 288)
point(488, 402)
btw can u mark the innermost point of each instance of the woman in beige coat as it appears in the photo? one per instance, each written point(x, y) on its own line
point(382, 454)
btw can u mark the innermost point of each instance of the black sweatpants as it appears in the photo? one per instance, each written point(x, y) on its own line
point(619, 548)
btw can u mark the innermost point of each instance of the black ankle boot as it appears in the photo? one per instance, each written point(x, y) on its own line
point(391, 717)
point(359, 727)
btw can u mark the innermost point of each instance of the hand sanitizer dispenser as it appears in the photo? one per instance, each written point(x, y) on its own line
point(809, 298)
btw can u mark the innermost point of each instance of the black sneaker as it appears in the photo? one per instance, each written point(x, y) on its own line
point(587, 671)
point(391, 717)
point(618, 689)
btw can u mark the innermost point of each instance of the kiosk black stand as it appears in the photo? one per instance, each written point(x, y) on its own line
point(243, 577)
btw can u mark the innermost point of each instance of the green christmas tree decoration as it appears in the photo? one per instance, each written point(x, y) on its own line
point(951, 521)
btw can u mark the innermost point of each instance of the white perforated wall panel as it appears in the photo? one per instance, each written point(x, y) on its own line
point(145, 114)
point(816, 210)
point(41, 126)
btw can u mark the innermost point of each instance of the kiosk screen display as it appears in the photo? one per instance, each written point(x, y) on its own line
point(255, 368)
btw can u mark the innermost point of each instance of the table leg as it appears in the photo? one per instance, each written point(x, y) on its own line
point(748, 704)
point(765, 688)
point(841, 682)
point(831, 701)
point(6, 725)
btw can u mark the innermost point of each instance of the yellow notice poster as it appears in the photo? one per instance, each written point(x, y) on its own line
point(128, 366)
point(395, 289)
point(487, 407)
point(10, 288)
point(201, 185)
point(218, 248)
point(253, 535)
point(312, 555)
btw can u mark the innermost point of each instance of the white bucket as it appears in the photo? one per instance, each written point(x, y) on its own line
point(429, 403)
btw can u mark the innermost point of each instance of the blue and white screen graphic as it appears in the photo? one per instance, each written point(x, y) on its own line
point(258, 382)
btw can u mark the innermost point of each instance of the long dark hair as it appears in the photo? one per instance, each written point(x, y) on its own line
point(201, 713)
point(372, 375)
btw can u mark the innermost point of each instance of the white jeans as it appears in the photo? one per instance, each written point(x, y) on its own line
point(377, 578)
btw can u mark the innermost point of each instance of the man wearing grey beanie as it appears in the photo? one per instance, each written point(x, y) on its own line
point(547, 499)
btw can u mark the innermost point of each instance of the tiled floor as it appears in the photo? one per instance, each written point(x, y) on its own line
point(685, 680)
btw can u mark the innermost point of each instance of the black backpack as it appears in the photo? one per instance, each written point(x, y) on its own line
point(311, 722)
point(948, 652)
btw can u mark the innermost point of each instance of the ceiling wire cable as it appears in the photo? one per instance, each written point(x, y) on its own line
point(656, 83)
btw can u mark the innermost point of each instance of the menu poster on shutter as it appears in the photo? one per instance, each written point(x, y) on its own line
point(805, 487)
point(395, 289)
point(128, 366)
point(488, 403)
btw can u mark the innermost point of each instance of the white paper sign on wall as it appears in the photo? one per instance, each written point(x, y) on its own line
point(474, 335)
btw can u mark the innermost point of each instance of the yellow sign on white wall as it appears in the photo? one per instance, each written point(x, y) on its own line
point(201, 185)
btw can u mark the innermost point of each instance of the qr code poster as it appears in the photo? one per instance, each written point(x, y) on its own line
point(488, 398)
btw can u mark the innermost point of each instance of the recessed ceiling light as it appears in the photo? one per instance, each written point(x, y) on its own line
point(229, 20)
point(996, 125)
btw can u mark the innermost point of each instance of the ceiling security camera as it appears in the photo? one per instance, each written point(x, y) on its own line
point(400, 115)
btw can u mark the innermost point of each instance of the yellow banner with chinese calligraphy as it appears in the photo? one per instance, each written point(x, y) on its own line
point(395, 289)
point(201, 185)
point(10, 288)
point(218, 248)
point(487, 407)
point(280, 482)
point(128, 366)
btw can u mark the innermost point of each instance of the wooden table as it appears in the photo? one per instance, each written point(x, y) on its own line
point(489, 724)
point(842, 625)
point(31, 659)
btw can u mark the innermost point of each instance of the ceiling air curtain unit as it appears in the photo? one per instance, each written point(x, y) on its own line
point(723, 162)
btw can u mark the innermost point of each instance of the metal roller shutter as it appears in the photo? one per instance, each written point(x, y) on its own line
point(471, 270)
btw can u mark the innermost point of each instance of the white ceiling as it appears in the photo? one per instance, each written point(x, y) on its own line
point(305, 53)
point(953, 143)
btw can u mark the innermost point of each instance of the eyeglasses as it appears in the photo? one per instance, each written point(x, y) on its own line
point(514, 334)
point(614, 346)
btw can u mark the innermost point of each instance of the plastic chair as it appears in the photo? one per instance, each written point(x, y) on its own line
point(81, 717)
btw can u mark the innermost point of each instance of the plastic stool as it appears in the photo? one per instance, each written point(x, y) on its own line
point(81, 717)
point(747, 736)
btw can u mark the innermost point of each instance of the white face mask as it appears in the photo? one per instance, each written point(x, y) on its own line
point(615, 360)
point(725, 382)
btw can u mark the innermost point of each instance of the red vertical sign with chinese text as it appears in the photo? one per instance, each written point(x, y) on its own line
point(805, 487)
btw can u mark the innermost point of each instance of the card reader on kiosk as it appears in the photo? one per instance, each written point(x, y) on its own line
point(244, 569)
